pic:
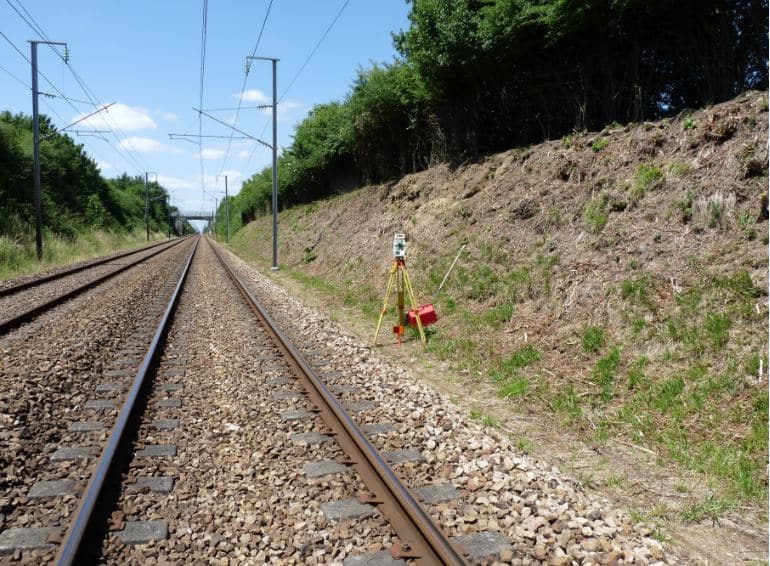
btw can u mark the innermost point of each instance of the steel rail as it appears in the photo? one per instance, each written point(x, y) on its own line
point(5, 291)
point(30, 314)
point(74, 546)
point(421, 539)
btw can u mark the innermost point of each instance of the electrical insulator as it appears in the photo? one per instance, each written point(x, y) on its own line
point(247, 66)
point(66, 54)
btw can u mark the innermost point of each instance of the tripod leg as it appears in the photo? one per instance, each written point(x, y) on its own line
point(384, 304)
point(414, 307)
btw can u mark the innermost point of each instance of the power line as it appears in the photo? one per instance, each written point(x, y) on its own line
point(317, 45)
point(93, 99)
point(204, 29)
point(18, 80)
point(302, 68)
point(243, 86)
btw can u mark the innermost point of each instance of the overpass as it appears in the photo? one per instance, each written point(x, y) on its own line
point(196, 215)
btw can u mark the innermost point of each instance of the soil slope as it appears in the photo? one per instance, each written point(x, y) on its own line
point(609, 307)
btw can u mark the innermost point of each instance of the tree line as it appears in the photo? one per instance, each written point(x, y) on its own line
point(75, 196)
point(478, 76)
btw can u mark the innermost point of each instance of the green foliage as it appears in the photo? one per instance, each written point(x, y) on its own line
point(600, 144)
point(595, 215)
point(647, 178)
point(514, 388)
point(75, 197)
point(593, 339)
point(477, 77)
point(507, 368)
point(605, 372)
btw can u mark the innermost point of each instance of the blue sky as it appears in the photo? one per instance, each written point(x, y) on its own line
point(145, 56)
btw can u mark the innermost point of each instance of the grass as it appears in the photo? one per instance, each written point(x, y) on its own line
point(18, 258)
point(606, 371)
point(595, 215)
point(483, 418)
point(647, 178)
point(515, 388)
point(710, 508)
point(599, 145)
point(593, 339)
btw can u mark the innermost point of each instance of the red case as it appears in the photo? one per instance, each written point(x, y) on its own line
point(427, 315)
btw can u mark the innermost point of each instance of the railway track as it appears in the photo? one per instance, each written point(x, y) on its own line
point(216, 438)
point(23, 302)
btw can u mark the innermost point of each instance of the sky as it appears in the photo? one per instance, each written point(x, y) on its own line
point(144, 58)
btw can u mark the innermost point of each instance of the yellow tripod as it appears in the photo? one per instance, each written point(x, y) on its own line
point(400, 277)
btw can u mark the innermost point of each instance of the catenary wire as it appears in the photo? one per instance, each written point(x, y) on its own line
point(243, 87)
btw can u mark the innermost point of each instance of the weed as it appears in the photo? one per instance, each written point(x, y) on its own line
point(514, 388)
point(717, 330)
point(593, 339)
point(647, 179)
point(498, 315)
point(638, 291)
point(684, 206)
point(668, 393)
point(763, 104)
point(710, 508)
point(553, 216)
point(567, 402)
point(689, 123)
point(600, 144)
point(713, 211)
point(524, 445)
point(614, 480)
point(482, 283)
point(633, 265)
point(508, 367)
point(567, 141)
point(595, 215)
point(679, 168)
point(606, 371)
point(483, 418)
point(309, 255)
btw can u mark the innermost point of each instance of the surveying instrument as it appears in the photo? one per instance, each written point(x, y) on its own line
point(399, 277)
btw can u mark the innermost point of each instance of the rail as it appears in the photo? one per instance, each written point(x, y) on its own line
point(421, 539)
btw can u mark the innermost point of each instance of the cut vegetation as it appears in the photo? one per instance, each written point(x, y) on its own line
point(618, 295)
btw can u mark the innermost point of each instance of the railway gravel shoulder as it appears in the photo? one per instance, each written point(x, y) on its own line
point(543, 514)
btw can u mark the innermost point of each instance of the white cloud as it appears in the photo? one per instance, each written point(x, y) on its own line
point(175, 183)
point(286, 110)
point(243, 154)
point(211, 153)
point(104, 166)
point(147, 145)
point(169, 116)
point(127, 118)
point(254, 95)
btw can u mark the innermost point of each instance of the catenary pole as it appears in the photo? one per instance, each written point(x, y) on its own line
point(36, 145)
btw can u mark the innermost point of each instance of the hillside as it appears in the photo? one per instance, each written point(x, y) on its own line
point(609, 308)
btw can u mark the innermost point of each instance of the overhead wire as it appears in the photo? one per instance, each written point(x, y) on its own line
point(243, 86)
point(121, 146)
point(302, 68)
point(204, 30)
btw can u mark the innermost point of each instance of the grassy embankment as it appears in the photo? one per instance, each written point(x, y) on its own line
point(17, 255)
point(611, 287)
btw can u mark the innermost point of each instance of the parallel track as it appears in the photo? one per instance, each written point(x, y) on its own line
point(13, 289)
point(76, 546)
point(30, 314)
